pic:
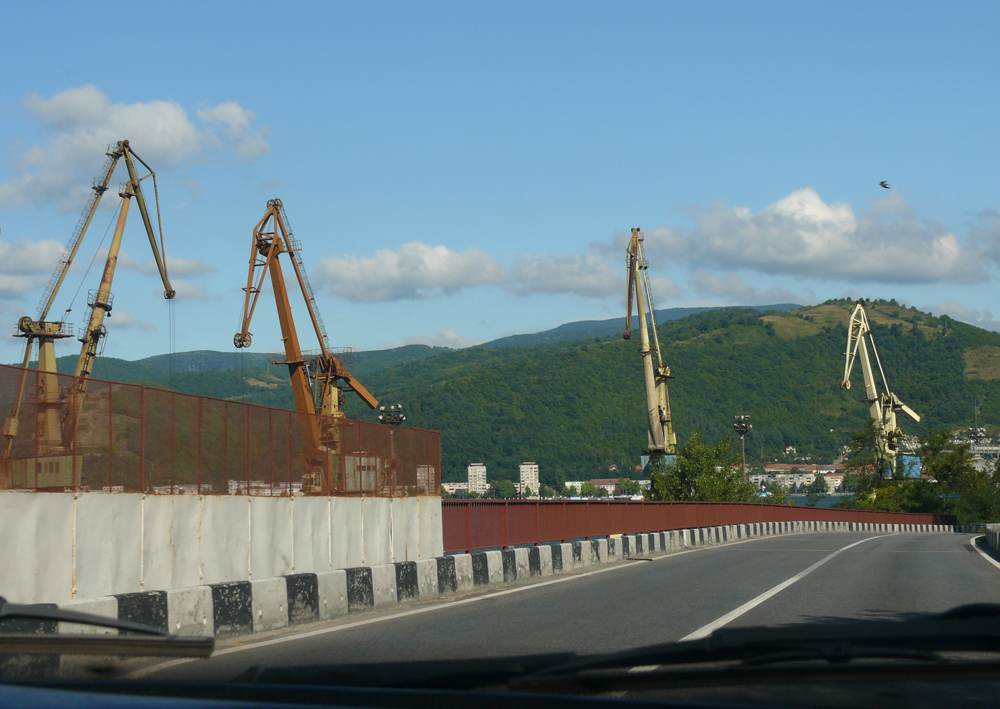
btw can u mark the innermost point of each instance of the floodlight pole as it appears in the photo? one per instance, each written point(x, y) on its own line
point(742, 425)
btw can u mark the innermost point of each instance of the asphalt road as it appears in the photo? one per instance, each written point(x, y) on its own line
point(772, 581)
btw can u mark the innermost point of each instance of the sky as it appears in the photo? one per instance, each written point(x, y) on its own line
point(458, 172)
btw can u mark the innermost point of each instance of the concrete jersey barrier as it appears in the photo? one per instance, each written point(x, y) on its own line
point(253, 606)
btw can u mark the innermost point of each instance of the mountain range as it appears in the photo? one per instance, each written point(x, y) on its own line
point(572, 398)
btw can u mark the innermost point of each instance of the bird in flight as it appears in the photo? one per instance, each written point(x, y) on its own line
point(883, 183)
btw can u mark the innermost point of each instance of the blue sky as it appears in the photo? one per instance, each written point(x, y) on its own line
point(457, 172)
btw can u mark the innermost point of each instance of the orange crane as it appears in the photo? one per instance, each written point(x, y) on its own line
point(58, 408)
point(321, 435)
point(661, 437)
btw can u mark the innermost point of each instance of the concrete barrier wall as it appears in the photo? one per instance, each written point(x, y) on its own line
point(64, 546)
point(255, 605)
point(993, 537)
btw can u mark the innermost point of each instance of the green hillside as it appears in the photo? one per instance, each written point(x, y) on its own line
point(585, 329)
point(576, 407)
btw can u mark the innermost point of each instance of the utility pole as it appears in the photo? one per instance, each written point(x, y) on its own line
point(742, 426)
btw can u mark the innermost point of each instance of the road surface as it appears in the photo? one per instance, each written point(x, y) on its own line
point(772, 581)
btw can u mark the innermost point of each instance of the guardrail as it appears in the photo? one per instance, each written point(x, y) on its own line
point(993, 536)
point(491, 524)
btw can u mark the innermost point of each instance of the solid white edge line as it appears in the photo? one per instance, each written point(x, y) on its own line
point(732, 615)
point(137, 674)
point(984, 554)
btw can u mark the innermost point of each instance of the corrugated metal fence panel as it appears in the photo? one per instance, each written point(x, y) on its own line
point(485, 524)
point(131, 438)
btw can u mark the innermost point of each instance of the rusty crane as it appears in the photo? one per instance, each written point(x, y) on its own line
point(324, 396)
point(58, 408)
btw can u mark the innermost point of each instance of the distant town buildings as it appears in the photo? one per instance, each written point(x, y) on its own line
point(792, 476)
point(477, 478)
point(452, 488)
point(528, 479)
point(606, 484)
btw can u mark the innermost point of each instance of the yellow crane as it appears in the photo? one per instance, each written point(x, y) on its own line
point(321, 436)
point(58, 408)
point(661, 437)
point(883, 406)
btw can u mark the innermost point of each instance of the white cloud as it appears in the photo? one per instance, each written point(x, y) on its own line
point(177, 267)
point(982, 319)
point(121, 320)
point(83, 122)
point(663, 289)
point(190, 291)
point(588, 276)
point(415, 270)
point(445, 337)
point(26, 266)
point(239, 130)
point(801, 235)
point(732, 288)
point(15, 286)
point(30, 257)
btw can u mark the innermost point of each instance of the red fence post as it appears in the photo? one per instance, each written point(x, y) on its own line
point(506, 524)
point(468, 525)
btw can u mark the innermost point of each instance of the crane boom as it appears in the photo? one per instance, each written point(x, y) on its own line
point(272, 237)
point(883, 406)
point(662, 440)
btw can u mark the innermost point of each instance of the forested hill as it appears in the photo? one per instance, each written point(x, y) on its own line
point(583, 329)
point(576, 407)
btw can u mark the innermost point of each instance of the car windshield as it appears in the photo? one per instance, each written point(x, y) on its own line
point(575, 343)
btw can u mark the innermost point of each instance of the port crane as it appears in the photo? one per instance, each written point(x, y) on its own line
point(883, 406)
point(661, 437)
point(324, 395)
point(58, 408)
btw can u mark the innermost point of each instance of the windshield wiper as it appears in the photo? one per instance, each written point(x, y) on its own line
point(149, 641)
point(971, 628)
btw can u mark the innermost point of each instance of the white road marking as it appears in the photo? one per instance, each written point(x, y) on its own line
point(984, 554)
point(750, 605)
point(368, 621)
point(448, 604)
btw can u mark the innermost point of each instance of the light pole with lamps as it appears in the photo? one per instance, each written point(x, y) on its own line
point(742, 426)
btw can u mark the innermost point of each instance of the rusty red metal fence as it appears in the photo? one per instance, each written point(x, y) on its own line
point(131, 438)
point(486, 524)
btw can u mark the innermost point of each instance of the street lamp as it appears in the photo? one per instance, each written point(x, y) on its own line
point(742, 426)
point(976, 436)
point(393, 416)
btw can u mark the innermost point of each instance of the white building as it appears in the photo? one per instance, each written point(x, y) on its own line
point(575, 484)
point(529, 478)
point(452, 488)
point(477, 478)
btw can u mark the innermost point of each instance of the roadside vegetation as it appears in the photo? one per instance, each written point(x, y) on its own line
point(952, 483)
